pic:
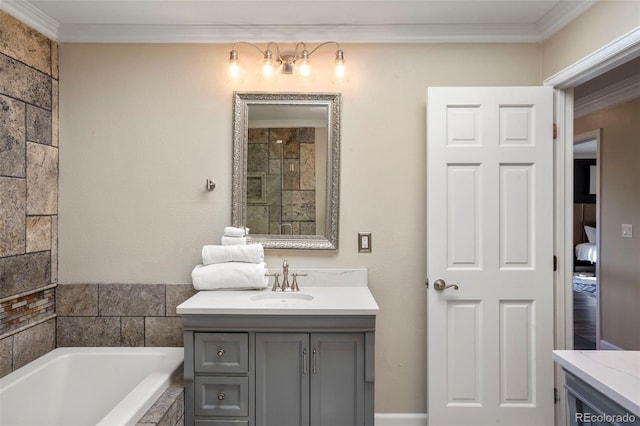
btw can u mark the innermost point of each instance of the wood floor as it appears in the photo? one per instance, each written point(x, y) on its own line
point(584, 321)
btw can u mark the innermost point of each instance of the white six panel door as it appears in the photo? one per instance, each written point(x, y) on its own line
point(489, 230)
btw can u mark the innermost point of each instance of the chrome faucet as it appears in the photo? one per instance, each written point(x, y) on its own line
point(285, 280)
point(285, 274)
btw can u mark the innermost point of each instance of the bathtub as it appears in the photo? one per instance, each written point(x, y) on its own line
point(87, 386)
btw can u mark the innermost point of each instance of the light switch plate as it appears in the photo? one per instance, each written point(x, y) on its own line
point(364, 242)
point(627, 230)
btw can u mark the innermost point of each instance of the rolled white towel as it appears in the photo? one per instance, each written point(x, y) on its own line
point(232, 241)
point(231, 231)
point(252, 253)
point(233, 275)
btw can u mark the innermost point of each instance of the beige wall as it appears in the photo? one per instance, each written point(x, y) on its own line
point(143, 126)
point(620, 203)
point(604, 22)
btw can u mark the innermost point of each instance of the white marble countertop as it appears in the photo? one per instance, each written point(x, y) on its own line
point(614, 373)
point(331, 292)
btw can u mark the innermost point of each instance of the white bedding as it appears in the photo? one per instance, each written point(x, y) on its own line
point(587, 252)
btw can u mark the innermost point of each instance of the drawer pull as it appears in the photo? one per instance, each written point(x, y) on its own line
point(221, 396)
point(220, 353)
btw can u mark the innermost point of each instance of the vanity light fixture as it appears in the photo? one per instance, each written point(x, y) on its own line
point(288, 63)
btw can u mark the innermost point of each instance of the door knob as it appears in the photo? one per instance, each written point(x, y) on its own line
point(440, 285)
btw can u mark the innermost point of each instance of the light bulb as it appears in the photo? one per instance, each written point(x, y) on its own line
point(304, 68)
point(235, 72)
point(268, 65)
point(340, 73)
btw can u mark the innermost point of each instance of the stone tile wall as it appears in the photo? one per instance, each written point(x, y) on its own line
point(28, 193)
point(120, 314)
point(281, 181)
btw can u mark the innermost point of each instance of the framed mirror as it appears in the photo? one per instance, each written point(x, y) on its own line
point(286, 166)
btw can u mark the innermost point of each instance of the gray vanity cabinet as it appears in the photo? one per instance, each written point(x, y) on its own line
point(269, 370)
point(588, 406)
point(312, 379)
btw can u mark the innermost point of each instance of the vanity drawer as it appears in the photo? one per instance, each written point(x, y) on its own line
point(222, 423)
point(222, 396)
point(221, 352)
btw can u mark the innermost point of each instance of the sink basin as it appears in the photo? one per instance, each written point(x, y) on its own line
point(282, 297)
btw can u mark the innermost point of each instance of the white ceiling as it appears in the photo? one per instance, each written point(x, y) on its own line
point(408, 21)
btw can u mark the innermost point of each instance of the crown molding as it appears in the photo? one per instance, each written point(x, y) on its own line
point(555, 19)
point(561, 14)
point(25, 12)
point(612, 95)
point(285, 33)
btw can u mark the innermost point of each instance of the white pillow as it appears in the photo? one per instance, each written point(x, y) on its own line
point(591, 233)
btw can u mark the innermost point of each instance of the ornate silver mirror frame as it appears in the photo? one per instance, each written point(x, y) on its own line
point(328, 240)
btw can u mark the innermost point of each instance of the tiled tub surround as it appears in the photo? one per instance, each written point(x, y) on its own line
point(168, 410)
point(28, 193)
point(120, 314)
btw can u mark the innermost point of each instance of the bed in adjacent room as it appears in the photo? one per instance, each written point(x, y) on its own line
point(587, 252)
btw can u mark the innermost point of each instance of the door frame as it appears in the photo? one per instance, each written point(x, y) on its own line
point(613, 54)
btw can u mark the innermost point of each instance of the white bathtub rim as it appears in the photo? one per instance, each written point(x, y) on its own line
point(45, 359)
point(119, 413)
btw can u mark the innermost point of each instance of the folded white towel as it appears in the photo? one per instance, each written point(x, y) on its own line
point(233, 275)
point(251, 253)
point(231, 241)
point(230, 231)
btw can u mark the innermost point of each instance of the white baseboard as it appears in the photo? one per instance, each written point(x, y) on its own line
point(604, 345)
point(401, 419)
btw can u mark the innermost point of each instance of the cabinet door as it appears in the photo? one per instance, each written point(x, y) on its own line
point(282, 379)
point(337, 379)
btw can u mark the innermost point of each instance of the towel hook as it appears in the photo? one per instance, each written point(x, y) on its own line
point(210, 185)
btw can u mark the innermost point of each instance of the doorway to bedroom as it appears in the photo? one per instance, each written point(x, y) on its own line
point(585, 239)
point(608, 107)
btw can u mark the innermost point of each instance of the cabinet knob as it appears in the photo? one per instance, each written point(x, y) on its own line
point(220, 396)
point(220, 353)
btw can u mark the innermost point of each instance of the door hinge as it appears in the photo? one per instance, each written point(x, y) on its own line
point(427, 283)
point(556, 397)
point(555, 263)
point(555, 131)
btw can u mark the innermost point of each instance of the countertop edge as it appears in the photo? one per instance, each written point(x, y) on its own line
point(287, 312)
point(596, 383)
